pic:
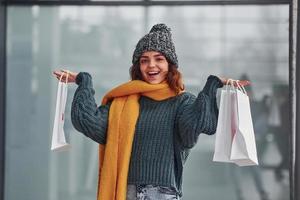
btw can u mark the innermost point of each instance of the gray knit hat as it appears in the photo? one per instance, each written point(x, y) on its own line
point(158, 39)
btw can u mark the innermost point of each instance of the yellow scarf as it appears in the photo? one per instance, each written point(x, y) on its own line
point(114, 156)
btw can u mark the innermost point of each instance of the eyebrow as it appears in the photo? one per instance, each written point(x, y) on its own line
point(156, 55)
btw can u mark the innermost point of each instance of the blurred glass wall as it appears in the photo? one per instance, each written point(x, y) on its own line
point(240, 42)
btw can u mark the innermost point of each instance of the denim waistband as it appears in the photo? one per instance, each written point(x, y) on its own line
point(151, 192)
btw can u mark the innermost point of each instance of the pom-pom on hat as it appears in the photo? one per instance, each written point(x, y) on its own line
point(158, 39)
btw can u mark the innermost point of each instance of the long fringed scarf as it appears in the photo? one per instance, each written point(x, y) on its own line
point(114, 156)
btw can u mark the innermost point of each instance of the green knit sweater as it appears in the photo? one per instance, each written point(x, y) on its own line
point(164, 134)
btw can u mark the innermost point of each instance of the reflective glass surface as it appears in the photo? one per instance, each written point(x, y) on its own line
point(239, 42)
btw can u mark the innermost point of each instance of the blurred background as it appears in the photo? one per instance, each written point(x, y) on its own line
point(238, 41)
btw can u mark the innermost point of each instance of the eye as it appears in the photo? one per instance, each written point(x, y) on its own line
point(160, 59)
point(143, 61)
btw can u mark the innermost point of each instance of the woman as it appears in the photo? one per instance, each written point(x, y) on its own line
point(147, 126)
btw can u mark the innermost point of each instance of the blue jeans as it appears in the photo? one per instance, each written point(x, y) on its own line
point(150, 192)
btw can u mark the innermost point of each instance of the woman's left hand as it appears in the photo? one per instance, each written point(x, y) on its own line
point(241, 82)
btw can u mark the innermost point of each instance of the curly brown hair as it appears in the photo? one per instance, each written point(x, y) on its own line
point(174, 77)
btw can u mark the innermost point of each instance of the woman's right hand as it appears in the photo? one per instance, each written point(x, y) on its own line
point(71, 78)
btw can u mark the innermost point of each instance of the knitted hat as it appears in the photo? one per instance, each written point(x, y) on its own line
point(158, 39)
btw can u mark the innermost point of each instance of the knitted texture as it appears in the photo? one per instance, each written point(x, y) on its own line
point(123, 114)
point(165, 130)
point(158, 39)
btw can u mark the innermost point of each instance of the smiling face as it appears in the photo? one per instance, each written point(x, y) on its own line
point(154, 67)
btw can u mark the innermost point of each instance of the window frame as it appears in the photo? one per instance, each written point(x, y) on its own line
point(294, 62)
point(145, 3)
point(3, 15)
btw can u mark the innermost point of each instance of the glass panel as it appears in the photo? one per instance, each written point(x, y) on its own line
point(228, 41)
point(240, 42)
point(99, 40)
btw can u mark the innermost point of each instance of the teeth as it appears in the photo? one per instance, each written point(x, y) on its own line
point(152, 73)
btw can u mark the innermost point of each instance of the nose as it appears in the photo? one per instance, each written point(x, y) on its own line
point(152, 63)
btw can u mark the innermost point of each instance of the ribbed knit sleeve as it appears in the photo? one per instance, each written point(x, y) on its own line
point(86, 116)
point(198, 114)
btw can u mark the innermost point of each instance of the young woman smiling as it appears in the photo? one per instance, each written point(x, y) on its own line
point(145, 127)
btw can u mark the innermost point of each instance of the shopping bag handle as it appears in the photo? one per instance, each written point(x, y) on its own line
point(229, 83)
point(67, 76)
point(241, 87)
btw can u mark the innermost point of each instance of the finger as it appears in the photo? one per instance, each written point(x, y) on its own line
point(245, 83)
point(57, 73)
point(65, 71)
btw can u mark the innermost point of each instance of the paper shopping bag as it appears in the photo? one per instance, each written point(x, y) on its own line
point(223, 139)
point(58, 135)
point(243, 150)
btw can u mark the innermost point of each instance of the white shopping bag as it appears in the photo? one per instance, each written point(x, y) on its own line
point(235, 140)
point(58, 135)
point(243, 150)
point(224, 127)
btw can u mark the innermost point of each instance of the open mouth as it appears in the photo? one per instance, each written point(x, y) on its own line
point(152, 74)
